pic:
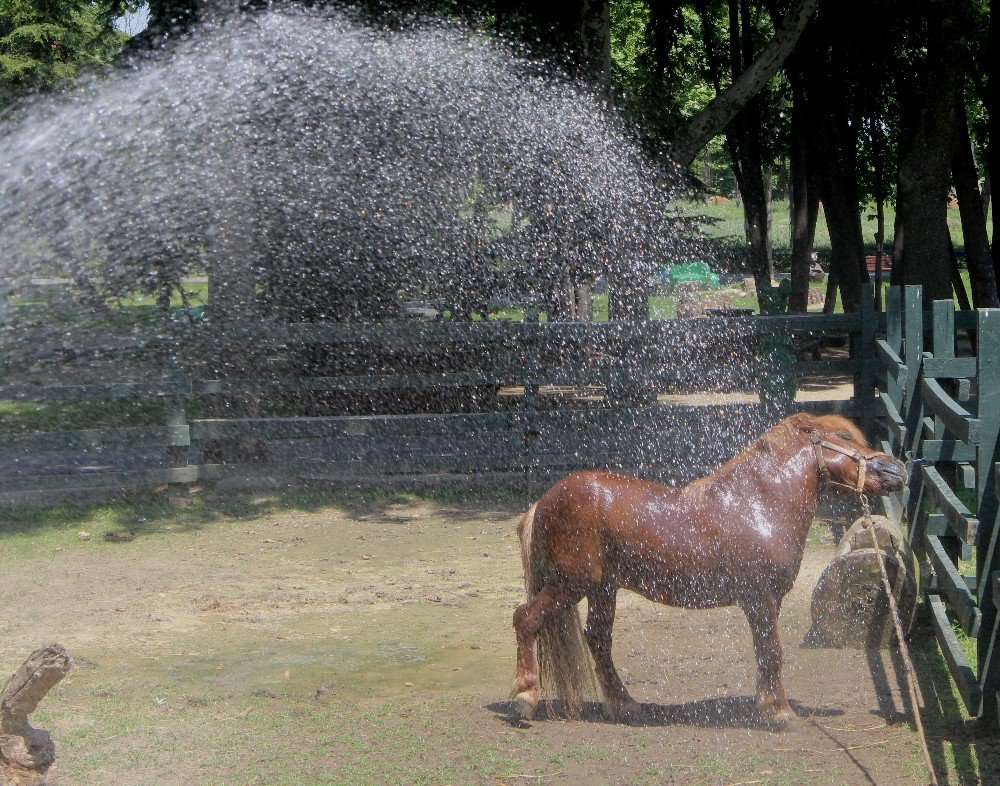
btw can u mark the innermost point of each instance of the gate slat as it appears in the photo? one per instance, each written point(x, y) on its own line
point(953, 584)
point(965, 525)
point(958, 420)
point(954, 657)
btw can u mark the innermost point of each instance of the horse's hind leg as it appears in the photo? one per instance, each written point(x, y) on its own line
point(529, 619)
point(601, 604)
point(762, 614)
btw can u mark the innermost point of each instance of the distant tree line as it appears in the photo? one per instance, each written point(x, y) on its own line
point(851, 105)
point(879, 101)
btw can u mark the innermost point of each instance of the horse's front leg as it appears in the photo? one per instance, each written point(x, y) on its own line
point(762, 614)
point(601, 604)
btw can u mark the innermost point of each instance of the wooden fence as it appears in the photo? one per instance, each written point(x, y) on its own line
point(548, 396)
point(942, 409)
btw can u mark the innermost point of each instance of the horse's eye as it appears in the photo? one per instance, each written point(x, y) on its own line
point(846, 436)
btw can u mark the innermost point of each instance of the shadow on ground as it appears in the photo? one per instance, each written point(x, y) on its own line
point(723, 712)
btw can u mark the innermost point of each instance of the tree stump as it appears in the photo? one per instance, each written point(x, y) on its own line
point(890, 537)
point(849, 606)
point(26, 753)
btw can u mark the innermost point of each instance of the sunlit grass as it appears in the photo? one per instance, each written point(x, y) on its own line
point(726, 221)
point(25, 416)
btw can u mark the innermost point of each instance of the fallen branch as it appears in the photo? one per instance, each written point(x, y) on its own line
point(26, 753)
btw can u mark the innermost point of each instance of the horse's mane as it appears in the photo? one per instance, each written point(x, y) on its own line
point(787, 432)
point(838, 424)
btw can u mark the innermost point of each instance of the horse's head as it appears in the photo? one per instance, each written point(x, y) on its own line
point(844, 458)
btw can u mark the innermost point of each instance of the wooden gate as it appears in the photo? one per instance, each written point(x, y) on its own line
point(940, 408)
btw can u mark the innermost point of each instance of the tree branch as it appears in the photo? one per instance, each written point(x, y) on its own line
point(701, 128)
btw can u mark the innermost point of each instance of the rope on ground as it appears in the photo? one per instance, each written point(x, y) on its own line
point(903, 648)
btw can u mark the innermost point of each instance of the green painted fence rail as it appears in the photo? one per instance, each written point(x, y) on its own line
point(560, 407)
point(942, 408)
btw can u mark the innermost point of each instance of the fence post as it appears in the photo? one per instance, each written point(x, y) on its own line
point(531, 347)
point(864, 379)
point(987, 551)
point(943, 346)
point(894, 318)
point(175, 413)
point(912, 409)
point(894, 338)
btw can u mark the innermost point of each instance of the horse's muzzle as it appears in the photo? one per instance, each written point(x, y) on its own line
point(891, 473)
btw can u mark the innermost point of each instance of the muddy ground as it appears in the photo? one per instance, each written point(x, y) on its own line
point(369, 642)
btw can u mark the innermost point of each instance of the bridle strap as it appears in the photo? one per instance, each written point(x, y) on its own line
point(824, 471)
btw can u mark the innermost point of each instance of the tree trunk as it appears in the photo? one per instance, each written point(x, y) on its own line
point(708, 123)
point(584, 302)
point(879, 250)
point(232, 266)
point(925, 164)
point(832, 144)
point(743, 139)
point(880, 194)
point(231, 246)
point(832, 279)
point(987, 195)
point(989, 99)
point(628, 297)
point(595, 33)
point(846, 243)
point(961, 296)
point(898, 242)
point(804, 206)
point(978, 257)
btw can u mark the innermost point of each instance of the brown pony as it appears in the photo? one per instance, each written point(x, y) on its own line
point(733, 538)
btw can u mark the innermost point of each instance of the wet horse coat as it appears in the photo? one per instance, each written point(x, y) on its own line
point(733, 538)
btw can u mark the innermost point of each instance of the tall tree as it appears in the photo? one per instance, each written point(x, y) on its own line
point(44, 43)
point(803, 202)
point(744, 137)
point(924, 179)
point(978, 255)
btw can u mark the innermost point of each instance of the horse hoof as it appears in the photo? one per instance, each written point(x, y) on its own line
point(786, 720)
point(525, 703)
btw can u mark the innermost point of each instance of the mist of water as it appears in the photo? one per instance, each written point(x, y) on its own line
point(351, 165)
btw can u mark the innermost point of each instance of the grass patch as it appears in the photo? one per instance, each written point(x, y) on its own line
point(960, 754)
point(49, 306)
point(726, 221)
point(23, 416)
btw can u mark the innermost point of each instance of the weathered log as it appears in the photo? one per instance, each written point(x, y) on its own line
point(849, 606)
point(27, 753)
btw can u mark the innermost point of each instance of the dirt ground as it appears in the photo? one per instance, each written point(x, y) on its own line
point(369, 642)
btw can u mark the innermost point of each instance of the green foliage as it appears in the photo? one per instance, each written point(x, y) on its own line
point(666, 66)
point(44, 43)
point(658, 93)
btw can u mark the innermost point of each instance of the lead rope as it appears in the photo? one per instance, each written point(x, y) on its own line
point(869, 524)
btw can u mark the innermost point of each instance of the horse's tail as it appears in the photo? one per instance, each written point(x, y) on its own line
point(566, 672)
